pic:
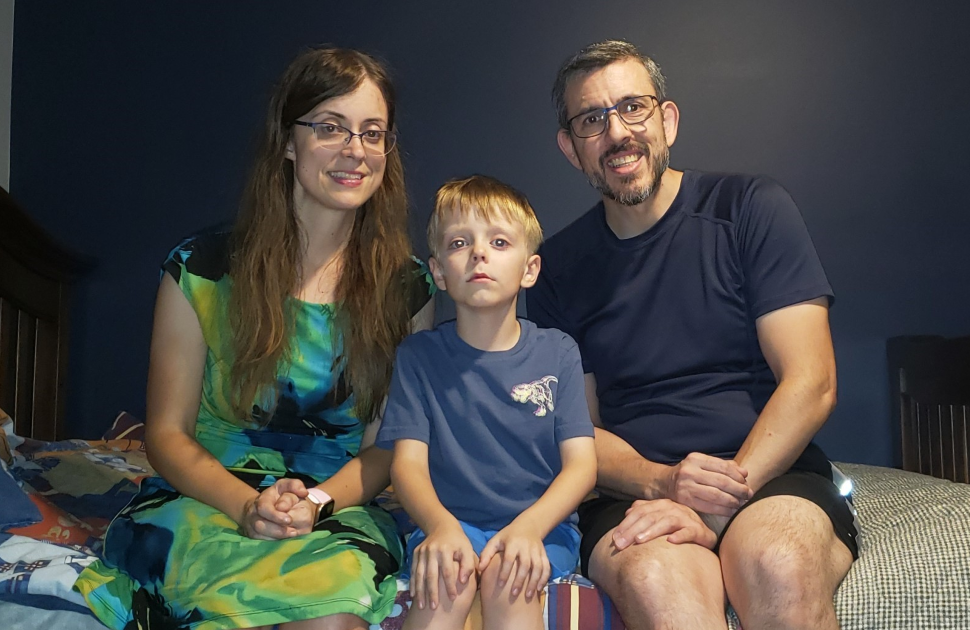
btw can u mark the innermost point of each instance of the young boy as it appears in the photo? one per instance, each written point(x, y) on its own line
point(487, 415)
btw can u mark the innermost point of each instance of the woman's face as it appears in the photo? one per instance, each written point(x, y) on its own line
point(338, 177)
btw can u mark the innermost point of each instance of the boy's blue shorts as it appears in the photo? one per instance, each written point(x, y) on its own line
point(562, 547)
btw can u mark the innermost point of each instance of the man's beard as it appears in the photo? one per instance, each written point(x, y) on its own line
point(634, 196)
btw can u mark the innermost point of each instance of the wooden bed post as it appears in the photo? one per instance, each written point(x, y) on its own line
point(36, 275)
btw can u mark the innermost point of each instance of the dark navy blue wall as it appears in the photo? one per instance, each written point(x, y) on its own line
point(133, 125)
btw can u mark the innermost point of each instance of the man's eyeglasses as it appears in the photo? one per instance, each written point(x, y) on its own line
point(632, 111)
point(333, 136)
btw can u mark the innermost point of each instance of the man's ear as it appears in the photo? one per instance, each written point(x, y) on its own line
point(671, 120)
point(437, 273)
point(568, 149)
point(532, 266)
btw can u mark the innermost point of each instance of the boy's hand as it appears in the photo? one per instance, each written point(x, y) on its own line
point(445, 549)
point(520, 546)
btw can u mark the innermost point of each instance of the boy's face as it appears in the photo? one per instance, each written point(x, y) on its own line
point(481, 263)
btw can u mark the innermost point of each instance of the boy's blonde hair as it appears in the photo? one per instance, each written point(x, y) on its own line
point(486, 196)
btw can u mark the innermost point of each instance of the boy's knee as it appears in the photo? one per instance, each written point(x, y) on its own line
point(490, 586)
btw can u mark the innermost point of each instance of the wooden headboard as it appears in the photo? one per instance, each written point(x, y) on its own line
point(35, 279)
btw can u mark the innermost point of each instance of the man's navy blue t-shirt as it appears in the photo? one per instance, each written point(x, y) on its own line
point(666, 320)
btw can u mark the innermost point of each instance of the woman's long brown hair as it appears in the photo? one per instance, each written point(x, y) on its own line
point(371, 316)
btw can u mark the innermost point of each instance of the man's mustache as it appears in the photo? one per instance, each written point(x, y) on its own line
point(621, 148)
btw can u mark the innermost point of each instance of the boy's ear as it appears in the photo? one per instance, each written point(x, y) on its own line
point(437, 273)
point(531, 274)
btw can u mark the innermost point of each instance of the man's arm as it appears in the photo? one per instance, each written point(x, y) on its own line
point(701, 482)
point(797, 345)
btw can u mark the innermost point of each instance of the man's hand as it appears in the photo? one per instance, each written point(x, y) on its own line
point(445, 549)
point(274, 515)
point(648, 520)
point(520, 546)
point(708, 484)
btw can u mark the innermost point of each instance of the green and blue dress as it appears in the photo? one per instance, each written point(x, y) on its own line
point(173, 562)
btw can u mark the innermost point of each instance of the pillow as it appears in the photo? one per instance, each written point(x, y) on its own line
point(17, 510)
point(6, 424)
point(125, 426)
point(57, 526)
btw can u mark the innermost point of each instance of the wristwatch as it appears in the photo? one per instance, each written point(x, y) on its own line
point(324, 500)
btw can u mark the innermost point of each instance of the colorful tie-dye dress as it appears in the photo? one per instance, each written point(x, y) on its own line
point(173, 562)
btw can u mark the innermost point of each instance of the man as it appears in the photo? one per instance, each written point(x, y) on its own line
point(701, 312)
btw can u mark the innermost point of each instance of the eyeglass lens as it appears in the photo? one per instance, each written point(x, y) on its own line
point(374, 141)
point(631, 110)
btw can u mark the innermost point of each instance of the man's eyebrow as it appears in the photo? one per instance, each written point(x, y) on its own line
point(620, 100)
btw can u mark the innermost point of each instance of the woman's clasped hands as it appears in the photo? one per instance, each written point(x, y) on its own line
point(280, 511)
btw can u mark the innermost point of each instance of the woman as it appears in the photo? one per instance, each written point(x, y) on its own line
point(271, 353)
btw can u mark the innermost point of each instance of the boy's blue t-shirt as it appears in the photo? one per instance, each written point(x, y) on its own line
point(492, 420)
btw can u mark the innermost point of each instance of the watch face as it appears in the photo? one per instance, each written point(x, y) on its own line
point(324, 500)
point(326, 510)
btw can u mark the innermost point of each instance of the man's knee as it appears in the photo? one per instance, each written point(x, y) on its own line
point(653, 569)
point(788, 543)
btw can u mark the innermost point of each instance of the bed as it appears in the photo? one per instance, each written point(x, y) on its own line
point(57, 495)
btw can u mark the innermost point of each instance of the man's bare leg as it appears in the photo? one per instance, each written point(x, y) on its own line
point(660, 586)
point(782, 563)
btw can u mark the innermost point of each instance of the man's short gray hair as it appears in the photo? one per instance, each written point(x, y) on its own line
point(594, 57)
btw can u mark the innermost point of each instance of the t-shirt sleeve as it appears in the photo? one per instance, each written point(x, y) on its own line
point(406, 415)
point(175, 264)
point(572, 411)
point(420, 286)
point(778, 258)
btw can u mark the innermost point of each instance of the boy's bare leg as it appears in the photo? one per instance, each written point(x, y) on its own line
point(449, 615)
point(782, 563)
point(500, 610)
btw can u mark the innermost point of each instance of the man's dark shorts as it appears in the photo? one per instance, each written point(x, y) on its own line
point(809, 478)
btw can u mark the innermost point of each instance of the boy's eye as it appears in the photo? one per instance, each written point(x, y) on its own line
point(457, 243)
point(500, 242)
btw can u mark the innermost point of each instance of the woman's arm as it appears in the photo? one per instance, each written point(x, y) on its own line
point(175, 373)
point(365, 476)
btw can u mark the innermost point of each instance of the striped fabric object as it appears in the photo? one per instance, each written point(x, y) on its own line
point(573, 604)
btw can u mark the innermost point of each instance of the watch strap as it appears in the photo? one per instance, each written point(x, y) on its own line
point(324, 500)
